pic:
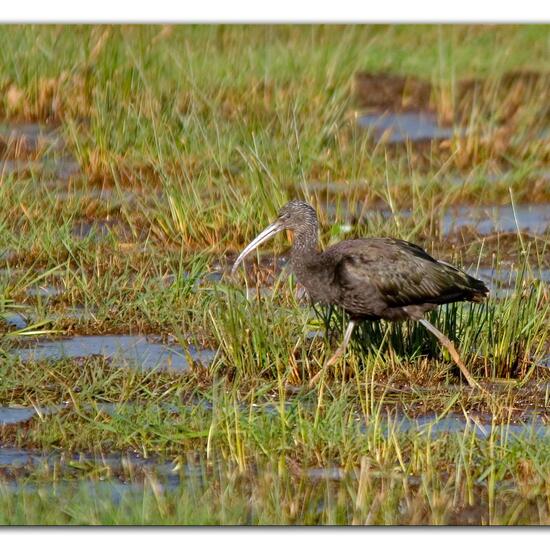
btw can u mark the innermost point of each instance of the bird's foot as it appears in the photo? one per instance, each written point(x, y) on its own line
point(446, 342)
point(463, 369)
point(334, 359)
point(331, 362)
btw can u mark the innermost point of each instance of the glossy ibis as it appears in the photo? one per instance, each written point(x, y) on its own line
point(374, 278)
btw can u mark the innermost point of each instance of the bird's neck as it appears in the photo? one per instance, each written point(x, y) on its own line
point(304, 247)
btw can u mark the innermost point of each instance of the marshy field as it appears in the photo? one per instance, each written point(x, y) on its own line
point(141, 383)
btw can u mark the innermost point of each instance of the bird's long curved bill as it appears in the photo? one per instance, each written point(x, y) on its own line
point(265, 235)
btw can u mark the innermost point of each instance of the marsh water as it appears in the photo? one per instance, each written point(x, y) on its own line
point(133, 470)
point(484, 220)
point(139, 351)
point(409, 126)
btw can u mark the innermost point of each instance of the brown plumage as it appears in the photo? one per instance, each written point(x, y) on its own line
point(373, 278)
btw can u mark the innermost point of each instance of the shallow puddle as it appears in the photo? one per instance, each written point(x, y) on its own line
point(106, 489)
point(17, 415)
point(15, 320)
point(344, 188)
point(58, 169)
point(45, 291)
point(100, 228)
point(31, 135)
point(432, 425)
point(35, 150)
point(503, 282)
point(164, 474)
point(139, 473)
point(402, 127)
point(485, 220)
point(493, 178)
point(533, 218)
point(21, 462)
point(17, 458)
point(114, 475)
point(134, 351)
point(508, 277)
point(20, 321)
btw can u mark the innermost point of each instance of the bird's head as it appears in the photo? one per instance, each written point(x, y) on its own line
point(296, 214)
point(293, 216)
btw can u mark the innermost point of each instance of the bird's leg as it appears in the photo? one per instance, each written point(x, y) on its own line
point(452, 350)
point(337, 354)
point(342, 347)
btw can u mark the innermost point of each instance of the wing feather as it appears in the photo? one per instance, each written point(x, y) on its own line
point(400, 273)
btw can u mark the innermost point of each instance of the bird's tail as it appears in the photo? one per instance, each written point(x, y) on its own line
point(472, 289)
point(478, 289)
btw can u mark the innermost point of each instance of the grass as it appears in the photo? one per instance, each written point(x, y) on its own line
point(188, 140)
point(262, 469)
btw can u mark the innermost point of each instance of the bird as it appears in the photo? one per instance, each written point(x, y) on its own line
point(371, 278)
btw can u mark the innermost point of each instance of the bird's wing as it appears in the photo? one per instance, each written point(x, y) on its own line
point(401, 272)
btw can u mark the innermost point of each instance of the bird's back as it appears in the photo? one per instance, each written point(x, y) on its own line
point(391, 279)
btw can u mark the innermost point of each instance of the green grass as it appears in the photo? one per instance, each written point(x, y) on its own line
point(189, 139)
point(262, 469)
